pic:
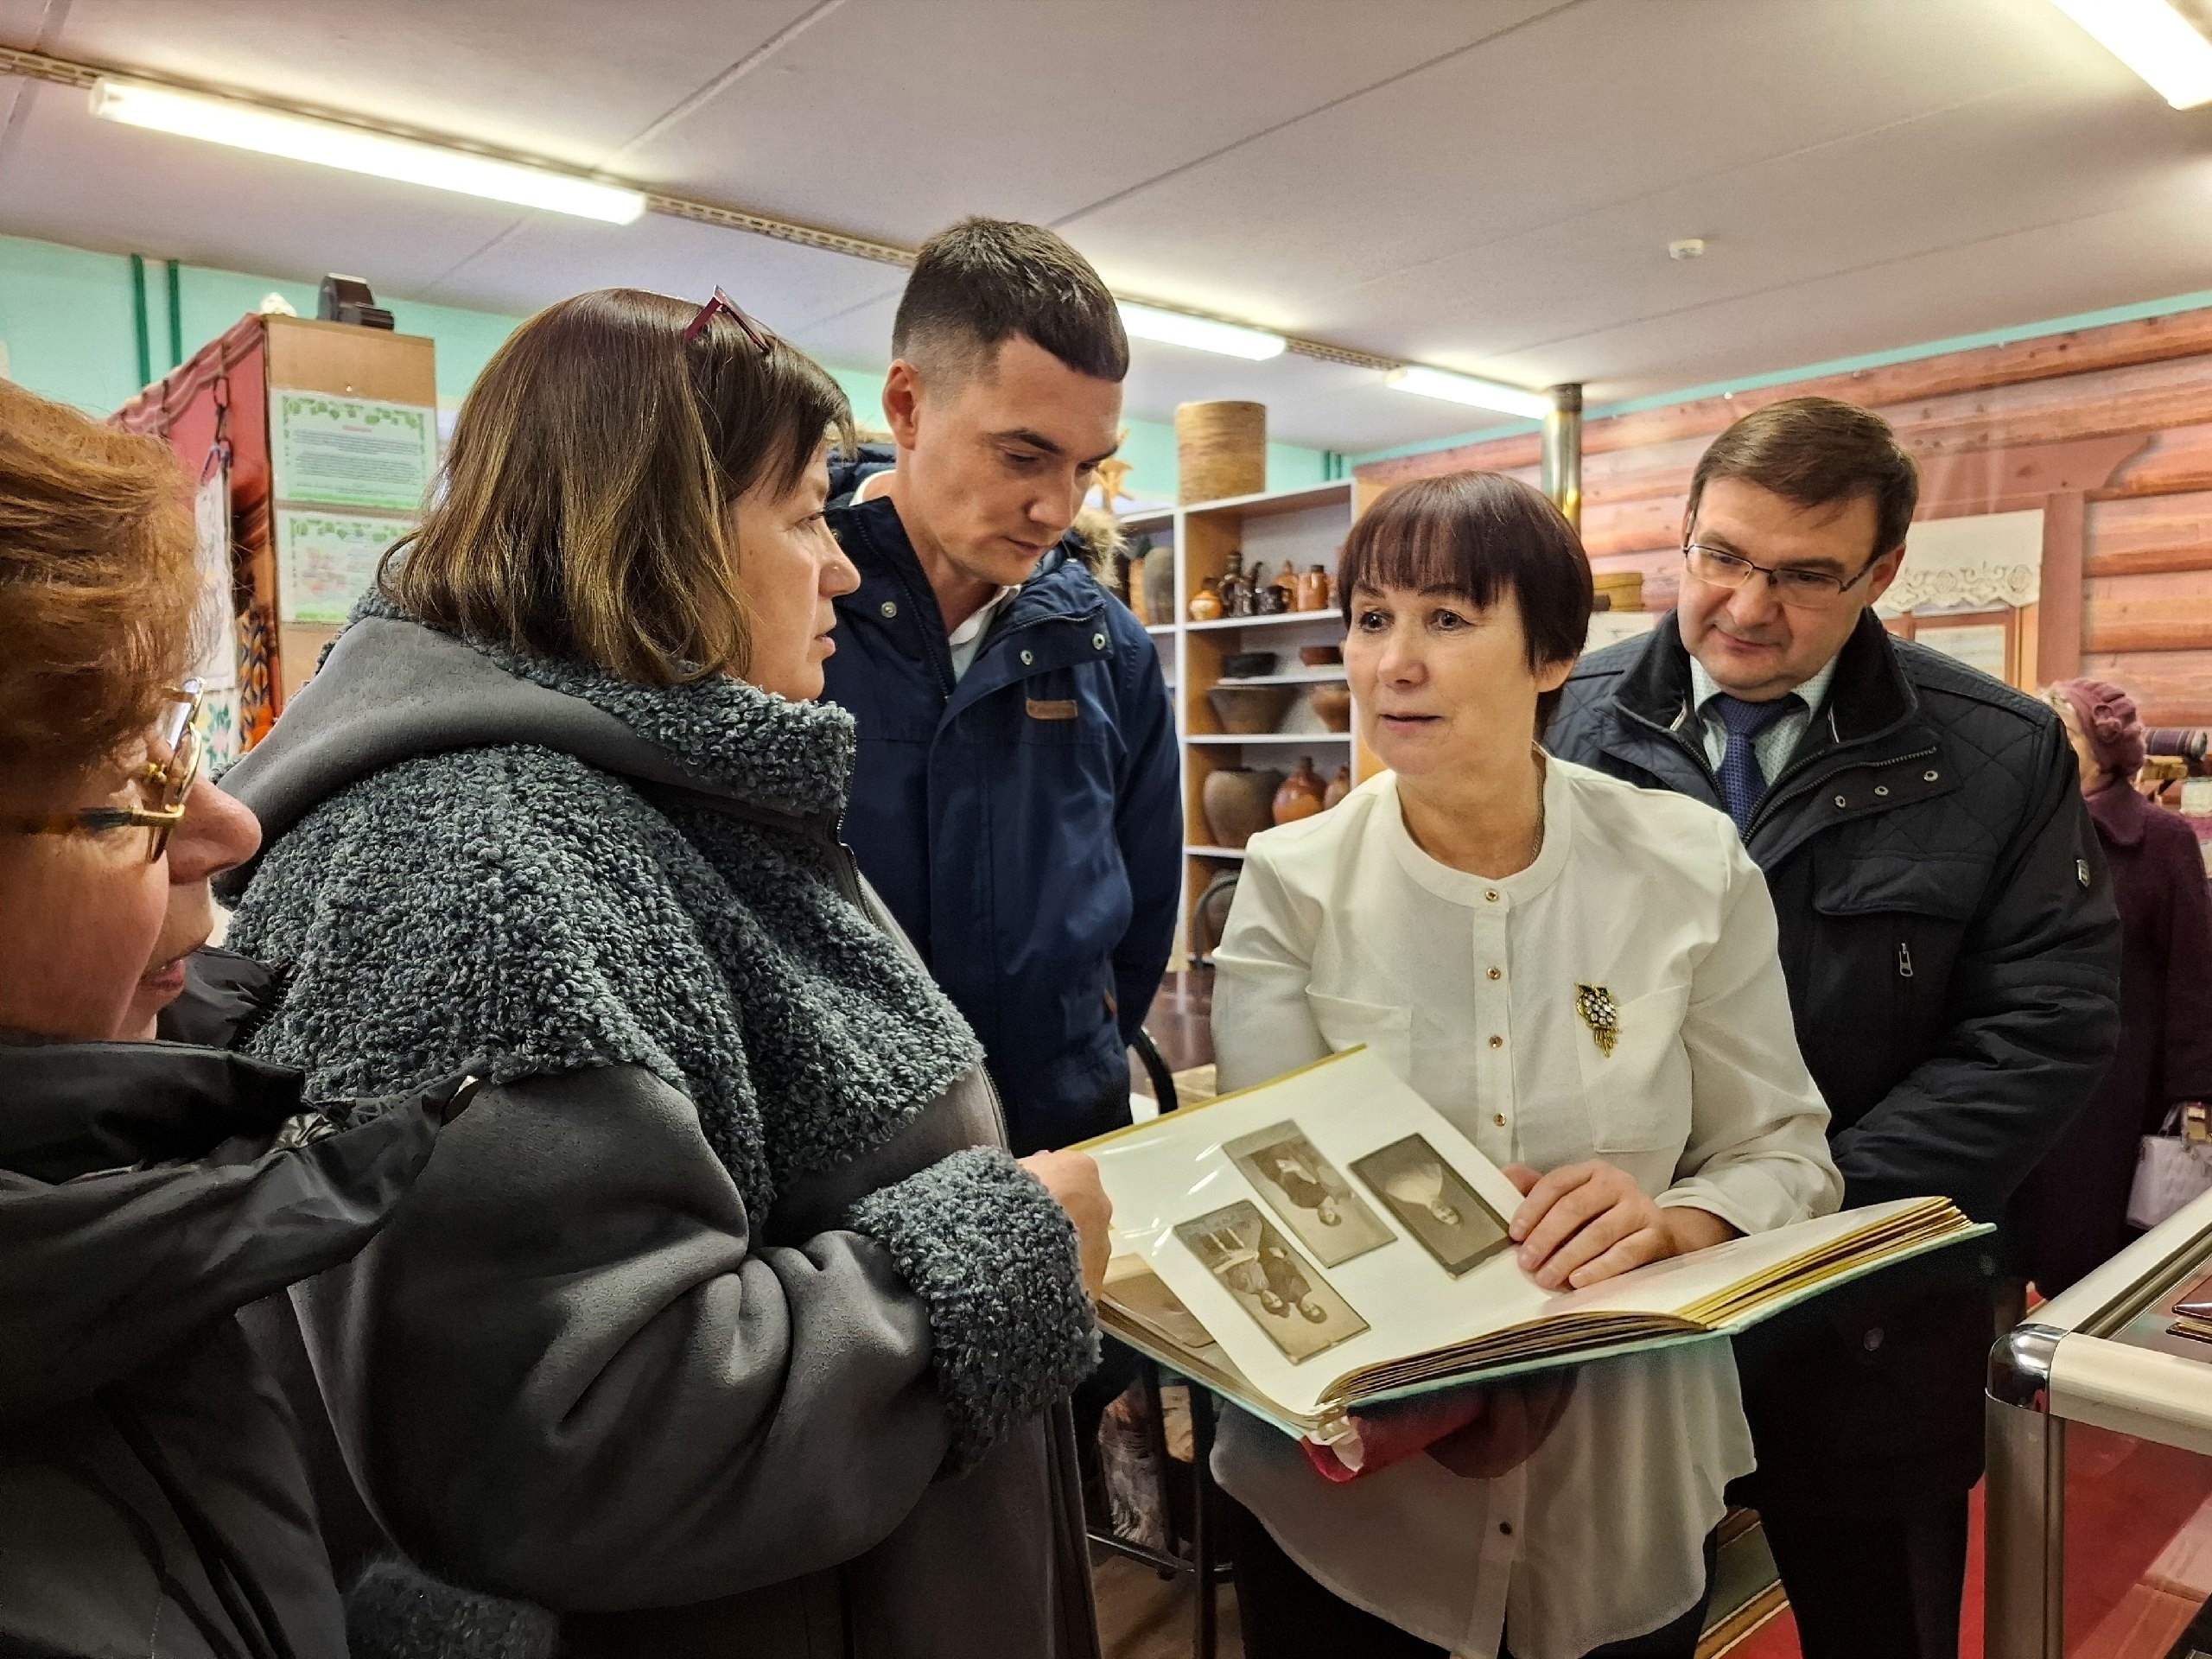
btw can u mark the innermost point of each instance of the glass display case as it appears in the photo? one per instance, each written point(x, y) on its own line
point(2099, 1494)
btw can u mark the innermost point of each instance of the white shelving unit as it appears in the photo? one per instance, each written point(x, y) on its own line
point(1305, 527)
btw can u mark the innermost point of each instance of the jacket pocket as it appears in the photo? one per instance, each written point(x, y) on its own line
point(1893, 923)
point(1638, 1095)
point(1346, 1023)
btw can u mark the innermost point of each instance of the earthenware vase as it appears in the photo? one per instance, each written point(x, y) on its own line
point(1339, 786)
point(1300, 794)
point(1205, 604)
point(1314, 589)
point(1332, 702)
point(1237, 803)
point(1250, 710)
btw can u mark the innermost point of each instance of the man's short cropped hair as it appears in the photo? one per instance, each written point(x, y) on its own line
point(983, 281)
point(1479, 535)
point(1819, 452)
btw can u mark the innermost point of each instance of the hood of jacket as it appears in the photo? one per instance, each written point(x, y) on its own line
point(390, 690)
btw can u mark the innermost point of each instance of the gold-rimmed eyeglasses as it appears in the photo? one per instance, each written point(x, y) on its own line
point(175, 753)
point(1804, 590)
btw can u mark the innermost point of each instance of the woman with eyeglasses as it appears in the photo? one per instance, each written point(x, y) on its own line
point(723, 1323)
point(151, 1499)
point(1581, 977)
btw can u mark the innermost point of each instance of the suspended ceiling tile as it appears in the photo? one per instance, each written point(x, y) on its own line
point(902, 118)
point(783, 284)
point(567, 79)
point(70, 178)
point(1858, 205)
point(2054, 270)
point(1594, 107)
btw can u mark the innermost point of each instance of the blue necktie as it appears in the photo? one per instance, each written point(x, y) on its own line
point(1742, 782)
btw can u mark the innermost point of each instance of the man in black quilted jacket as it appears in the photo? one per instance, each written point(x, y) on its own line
point(1953, 962)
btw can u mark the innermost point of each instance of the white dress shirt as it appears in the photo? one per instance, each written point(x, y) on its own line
point(1778, 742)
point(1344, 932)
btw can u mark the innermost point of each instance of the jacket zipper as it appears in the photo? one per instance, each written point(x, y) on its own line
point(1774, 798)
point(1904, 960)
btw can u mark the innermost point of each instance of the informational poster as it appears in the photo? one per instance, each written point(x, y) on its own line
point(215, 624)
point(327, 560)
point(352, 451)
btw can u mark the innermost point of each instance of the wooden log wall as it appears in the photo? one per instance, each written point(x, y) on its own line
point(2110, 430)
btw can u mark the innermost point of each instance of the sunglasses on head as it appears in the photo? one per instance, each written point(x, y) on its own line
point(724, 305)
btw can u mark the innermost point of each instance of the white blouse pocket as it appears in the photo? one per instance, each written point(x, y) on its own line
point(1347, 1024)
point(1638, 1096)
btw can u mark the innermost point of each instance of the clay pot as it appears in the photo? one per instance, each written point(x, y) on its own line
point(1247, 664)
point(1269, 598)
point(1236, 801)
point(1314, 589)
point(1321, 655)
point(1339, 786)
point(1247, 710)
point(1205, 604)
point(1236, 589)
point(1134, 588)
point(1300, 794)
point(1211, 912)
point(1333, 703)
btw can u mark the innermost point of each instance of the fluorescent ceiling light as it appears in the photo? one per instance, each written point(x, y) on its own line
point(2153, 40)
point(1467, 388)
point(1180, 328)
point(247, 126)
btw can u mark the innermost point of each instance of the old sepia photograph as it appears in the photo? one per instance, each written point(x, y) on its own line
point(1285, 1294)
point(1308, 1194)
point(1435, 1205)
point(1144, 1296)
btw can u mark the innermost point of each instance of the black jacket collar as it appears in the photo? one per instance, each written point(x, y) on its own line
point(1869, 698)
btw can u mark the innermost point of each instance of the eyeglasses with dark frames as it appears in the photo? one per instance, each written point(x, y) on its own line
point(171, 770)
point(724, 305)
point(1804, 590)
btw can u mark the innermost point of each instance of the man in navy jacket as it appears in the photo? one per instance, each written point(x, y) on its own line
point(1015, 800)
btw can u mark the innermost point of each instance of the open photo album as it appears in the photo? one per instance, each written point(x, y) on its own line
point(1328, 1241)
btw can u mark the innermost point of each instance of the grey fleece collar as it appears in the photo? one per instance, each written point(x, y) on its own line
point(392, 689)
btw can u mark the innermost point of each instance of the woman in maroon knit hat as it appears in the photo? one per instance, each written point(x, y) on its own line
point(2072, 1209)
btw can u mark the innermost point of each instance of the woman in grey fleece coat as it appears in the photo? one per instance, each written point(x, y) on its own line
point(722, 1323)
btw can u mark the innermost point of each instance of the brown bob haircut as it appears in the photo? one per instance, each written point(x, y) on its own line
point(1479, 535)
point(980, 283)
point(1818, 451)
point(98, 586)
point(586, 502)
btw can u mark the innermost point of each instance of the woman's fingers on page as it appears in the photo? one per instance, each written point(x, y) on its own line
point(1639, 1250)
point(1546, 1192)
point(1574, 1209)
point(1601, 1233)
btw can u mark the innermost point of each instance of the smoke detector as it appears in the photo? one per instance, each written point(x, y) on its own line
point(1690, 247)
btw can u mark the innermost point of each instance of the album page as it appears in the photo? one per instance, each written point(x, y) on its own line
point(1329, 1238)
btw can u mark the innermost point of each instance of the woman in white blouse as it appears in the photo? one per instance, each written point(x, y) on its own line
point(1581, 975)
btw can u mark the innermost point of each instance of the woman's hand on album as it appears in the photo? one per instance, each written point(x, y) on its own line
point(1589, 1222)
point(1072, 1179)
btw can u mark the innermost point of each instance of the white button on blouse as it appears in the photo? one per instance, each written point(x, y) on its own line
point(1344, 932)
